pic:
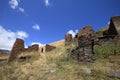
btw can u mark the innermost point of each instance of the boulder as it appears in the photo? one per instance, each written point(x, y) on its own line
point(17, 49)
point(114, 73)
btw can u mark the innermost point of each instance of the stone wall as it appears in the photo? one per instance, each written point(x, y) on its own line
point(32, 48)
point(84, 50)
point(49, 48)
point(42, 49)
point(68, 39)
point(114, 27)
point(86, 31)
point(17, 48)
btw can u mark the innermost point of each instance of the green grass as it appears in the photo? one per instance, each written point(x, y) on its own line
point(105, 50)
point(57, 65)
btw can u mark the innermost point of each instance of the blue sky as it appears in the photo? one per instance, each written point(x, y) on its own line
point(46, 21)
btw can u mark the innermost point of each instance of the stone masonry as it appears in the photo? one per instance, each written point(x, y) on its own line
point(84, 51)
point(34, 47)
point(114, 27)
point(68, 39)
point(49, 48)
point(18, 47)
point(86, 31)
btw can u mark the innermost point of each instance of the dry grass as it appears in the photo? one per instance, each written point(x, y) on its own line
point(56, 65)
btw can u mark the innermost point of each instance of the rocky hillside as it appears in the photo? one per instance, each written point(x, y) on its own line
point(87, 56)
point(56, 65)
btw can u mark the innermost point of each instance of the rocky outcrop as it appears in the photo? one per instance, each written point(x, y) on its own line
point(68, 39)
point(18, 47)
point(49, 48)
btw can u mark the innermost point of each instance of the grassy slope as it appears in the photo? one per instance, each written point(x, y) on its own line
point(56, 65)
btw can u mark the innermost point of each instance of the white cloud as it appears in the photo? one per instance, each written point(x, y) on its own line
point(40, 44)
point(21, 9)
point(72, 32)
point(13, 4)
point(7, 37)
point(36, 27)
point(47, 3)
point(22, 34)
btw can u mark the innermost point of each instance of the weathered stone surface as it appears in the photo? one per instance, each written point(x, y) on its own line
point(114, 27)
point(86, 70)
point(110, 32)
point(68, 39)
point(85, 31)
point(84, 51)
point(18, 47)
point(32, 48)
point(114, 73)
point(49, 47)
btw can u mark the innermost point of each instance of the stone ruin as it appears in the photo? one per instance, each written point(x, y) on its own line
point(49, 48)
point(32, 48)
point(68, 39)
point(42, 49)
point(87, 38)
point(88, 30)
point(46, 48)
point(114, 27)
point(84, 51)
point(18, 47)
point(115, 22)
